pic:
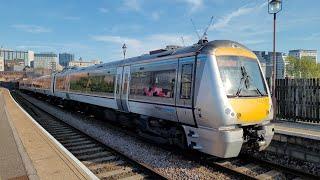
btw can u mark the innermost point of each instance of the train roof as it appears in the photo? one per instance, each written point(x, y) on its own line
point(196, 48)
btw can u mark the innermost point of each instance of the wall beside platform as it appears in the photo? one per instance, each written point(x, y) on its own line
point(297, 147)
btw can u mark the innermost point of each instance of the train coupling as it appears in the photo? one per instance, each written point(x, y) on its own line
point(257, 138)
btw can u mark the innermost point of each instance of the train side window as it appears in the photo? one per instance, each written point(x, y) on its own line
point(153, 83)
point(93, 83)
point(79, 82)
point(60, 83)
point(101, 84)
point(186, 81)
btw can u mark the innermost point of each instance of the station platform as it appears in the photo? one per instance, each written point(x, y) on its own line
point(27, 151)
point(298, 129)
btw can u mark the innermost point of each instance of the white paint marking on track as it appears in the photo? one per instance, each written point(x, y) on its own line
point(99, 166)
point(115, 172)
point(100, 159)
point(86, 150)
point(134, 177)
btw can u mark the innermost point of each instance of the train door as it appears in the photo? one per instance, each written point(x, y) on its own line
point(185, 90)
point(122, 88)
point(125, 88)
point(118, 87)
point(53, 83)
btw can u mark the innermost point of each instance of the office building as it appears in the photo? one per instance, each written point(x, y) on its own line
point(1, 63)
point(65, 58)
point(82, 63)
point(46, 61)
point(299, 53)
point(14, 58)
point(266, 61)
point(30, 58)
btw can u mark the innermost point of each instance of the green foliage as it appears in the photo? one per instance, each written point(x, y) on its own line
point(304, 67)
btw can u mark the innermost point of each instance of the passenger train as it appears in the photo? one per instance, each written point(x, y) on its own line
point(211, 96)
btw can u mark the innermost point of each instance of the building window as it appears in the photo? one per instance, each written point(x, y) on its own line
point(186, 81)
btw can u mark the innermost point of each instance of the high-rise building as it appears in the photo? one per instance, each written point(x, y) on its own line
point(46, 61)
point(65, 58)
point(299, 53)
point(30, 58)
point(266, 59)
point(14, 58)
point(1, 63)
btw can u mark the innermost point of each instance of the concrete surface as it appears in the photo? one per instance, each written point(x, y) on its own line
point(305, 130)
point(41, 155)
point(11, 165)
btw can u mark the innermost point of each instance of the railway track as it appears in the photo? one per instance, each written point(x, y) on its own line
point(103, 161)
point(244, 166)
point(248, 167)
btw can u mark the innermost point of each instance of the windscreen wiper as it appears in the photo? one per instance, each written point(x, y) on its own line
point(259, 92)
point(244, 80)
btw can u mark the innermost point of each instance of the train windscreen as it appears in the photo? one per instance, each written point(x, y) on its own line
point(241, 76)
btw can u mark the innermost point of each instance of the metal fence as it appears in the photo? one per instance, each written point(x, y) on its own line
point(298, 99)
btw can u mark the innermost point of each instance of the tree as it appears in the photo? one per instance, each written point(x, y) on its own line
point(306, 67)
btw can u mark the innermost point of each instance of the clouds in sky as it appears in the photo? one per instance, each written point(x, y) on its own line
point(226, 19)
point(31, 28)
point(194, 5)
point(145, 25)
point(138, 46)
point(103, 10)
point(133, 5)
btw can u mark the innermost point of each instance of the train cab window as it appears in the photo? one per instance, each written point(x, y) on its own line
point(186, 81)
point(241, 76)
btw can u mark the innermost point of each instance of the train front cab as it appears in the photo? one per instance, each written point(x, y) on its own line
point(233, 105)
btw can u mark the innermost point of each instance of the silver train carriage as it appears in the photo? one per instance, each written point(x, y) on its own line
point(213, 95)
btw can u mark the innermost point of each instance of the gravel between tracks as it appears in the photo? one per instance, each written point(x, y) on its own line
point(171, 165)
point(285, 160)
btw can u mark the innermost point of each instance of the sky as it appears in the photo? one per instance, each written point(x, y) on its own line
point(97, 29)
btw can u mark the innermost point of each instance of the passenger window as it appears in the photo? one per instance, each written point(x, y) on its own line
point(95, 83)
point(125, 83)
point(118, 83)
point(60, 83)
point(153, 83)
point(186, 81)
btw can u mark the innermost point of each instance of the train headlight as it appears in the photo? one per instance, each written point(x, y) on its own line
point(238, 115)
point(227, 111)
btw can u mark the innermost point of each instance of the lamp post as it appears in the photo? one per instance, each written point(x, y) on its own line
point(274, 6)
point(124, 49)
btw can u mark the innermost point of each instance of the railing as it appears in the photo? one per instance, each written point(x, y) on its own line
point(298, 99)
